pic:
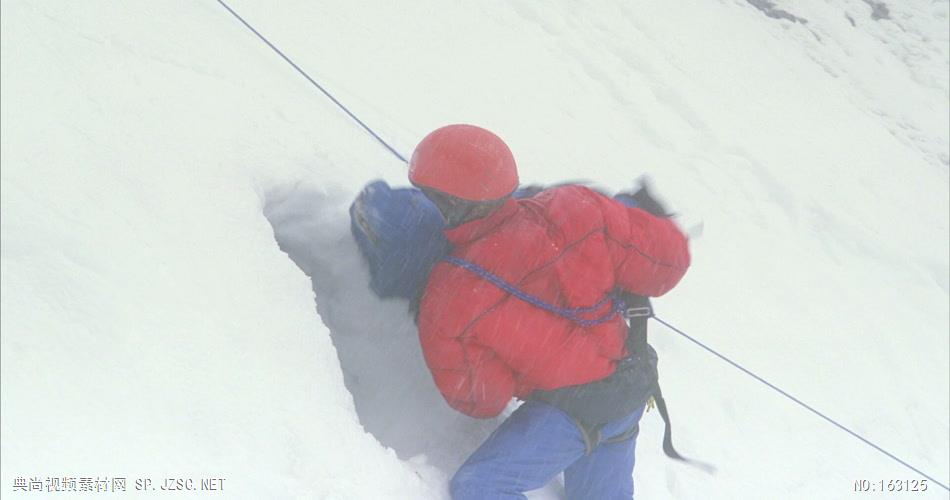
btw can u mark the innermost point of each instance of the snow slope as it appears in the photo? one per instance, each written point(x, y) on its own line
point(151, 326)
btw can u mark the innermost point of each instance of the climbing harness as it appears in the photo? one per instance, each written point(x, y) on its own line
point(618, 306)
point(641, 311)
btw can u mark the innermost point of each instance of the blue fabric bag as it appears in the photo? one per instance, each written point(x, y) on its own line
point(399, 233)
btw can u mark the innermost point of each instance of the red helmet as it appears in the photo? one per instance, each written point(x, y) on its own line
point(464, 161)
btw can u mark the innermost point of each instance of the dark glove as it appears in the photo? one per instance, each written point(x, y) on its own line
point(644, 200)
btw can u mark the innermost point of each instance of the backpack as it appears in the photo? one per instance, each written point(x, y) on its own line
point(399, 234)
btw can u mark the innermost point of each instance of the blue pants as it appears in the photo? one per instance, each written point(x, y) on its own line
point(539, 441)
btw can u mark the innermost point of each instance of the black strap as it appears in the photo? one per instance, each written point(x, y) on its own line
point(591, 435)
point(668, 448)
point(668, 430)
point(636, 340)
point(626, 435)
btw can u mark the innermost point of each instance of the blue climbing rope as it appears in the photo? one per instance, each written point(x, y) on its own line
point(571, 314)
point(315, 84)
point(568, 313)
point(800, 402)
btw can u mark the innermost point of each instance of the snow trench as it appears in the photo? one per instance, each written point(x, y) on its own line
point(376, 340)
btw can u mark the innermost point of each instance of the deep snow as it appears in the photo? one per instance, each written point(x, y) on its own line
point(151, 153)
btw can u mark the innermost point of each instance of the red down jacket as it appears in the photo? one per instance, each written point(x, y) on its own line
point(569, 246)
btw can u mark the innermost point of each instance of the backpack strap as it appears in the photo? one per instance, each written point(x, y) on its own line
point(639, 311)
point(668, 437)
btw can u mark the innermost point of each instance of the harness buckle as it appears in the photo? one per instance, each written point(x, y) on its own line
point(638, 312)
